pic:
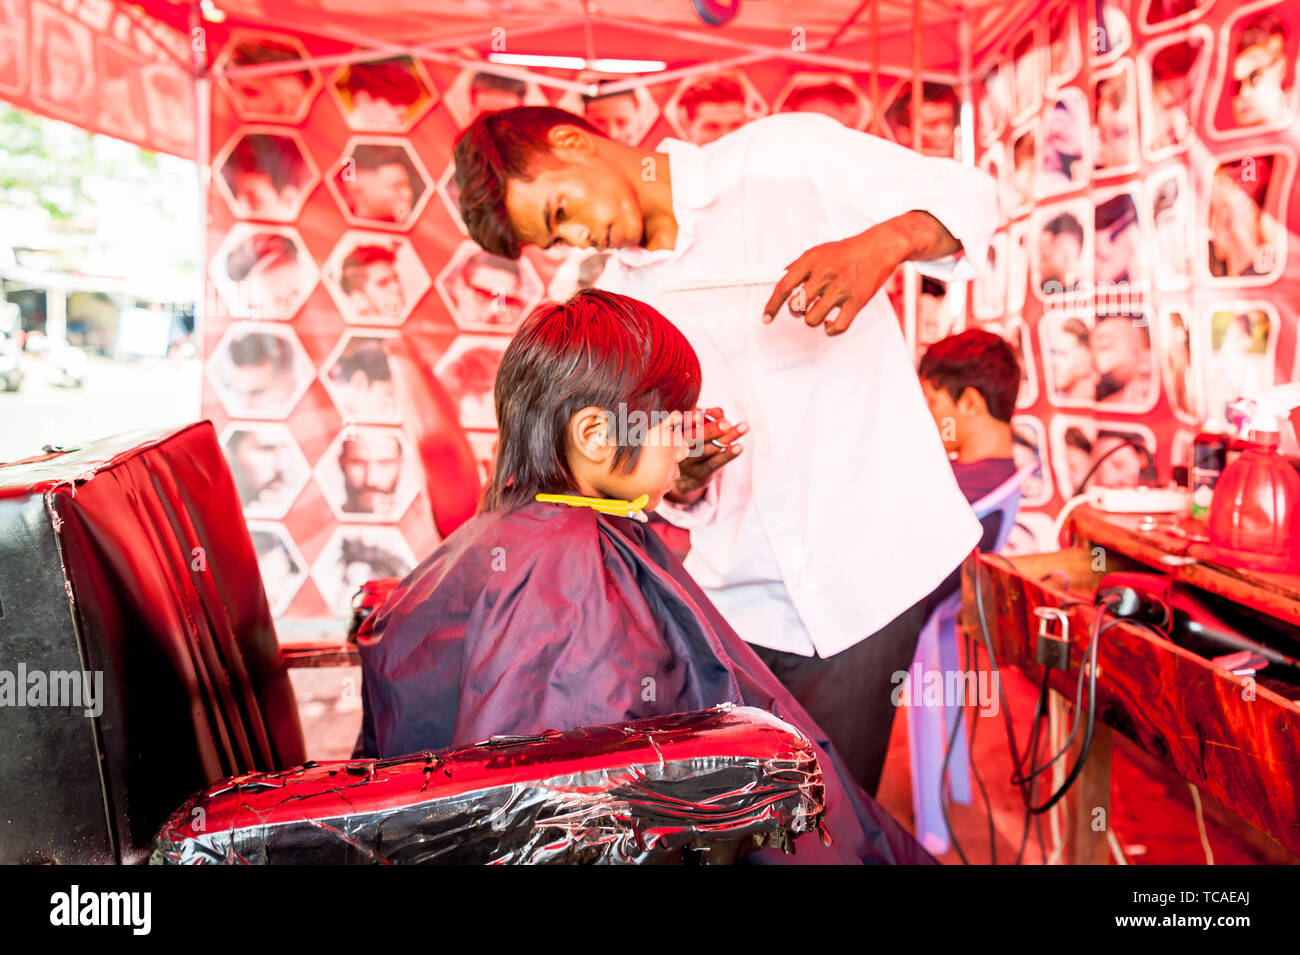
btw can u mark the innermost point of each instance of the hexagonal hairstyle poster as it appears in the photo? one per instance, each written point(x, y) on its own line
point(354, 555)
point(265, 172)
point(940, 114)
point(262, 271)
point(266, 76)
point(489, 89)
point(831, 94)
point(380, 182)
point(486, 292)
point(369, 473)
point(624, 115)
point(705, 108)
point(375, 278)
point(386, 95)
point(268, 466)
point(280, 563)
point(359, 379)
point(468, 371)
point(259, 370)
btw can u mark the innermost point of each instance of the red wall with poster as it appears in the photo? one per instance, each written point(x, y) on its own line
point(1133, 169)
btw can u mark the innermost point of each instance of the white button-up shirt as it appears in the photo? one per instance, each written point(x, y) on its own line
point(842, 511)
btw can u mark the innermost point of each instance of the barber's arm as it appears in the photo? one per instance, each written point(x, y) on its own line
point(923, 209)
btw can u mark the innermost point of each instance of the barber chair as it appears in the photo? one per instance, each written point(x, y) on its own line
point(129, 560)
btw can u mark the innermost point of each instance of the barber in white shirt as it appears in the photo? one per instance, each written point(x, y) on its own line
point(822, 541)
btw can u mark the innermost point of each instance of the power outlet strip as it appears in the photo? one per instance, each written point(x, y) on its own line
point(1138, 500)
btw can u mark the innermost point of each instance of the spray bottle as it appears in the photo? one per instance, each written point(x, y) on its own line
point(1254, 519)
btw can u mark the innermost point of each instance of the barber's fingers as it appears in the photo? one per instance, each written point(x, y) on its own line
point(706, 447)
point(718, 430)
point(829, 297)
point(848, 312)
point(795, 274)
point(812, 298)
point(713, 458)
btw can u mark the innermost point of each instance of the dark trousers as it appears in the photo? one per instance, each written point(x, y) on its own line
point(850, 695)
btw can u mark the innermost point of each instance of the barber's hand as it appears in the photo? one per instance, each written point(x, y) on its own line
point(843, 274)
point(704, 457)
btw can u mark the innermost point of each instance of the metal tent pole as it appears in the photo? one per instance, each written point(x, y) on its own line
point(875, 67)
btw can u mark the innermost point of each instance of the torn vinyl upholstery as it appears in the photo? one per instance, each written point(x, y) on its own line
point(708, 786)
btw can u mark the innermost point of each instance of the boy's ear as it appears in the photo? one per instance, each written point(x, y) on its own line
point(569, 138)
point(589, 434)
point(972, 402)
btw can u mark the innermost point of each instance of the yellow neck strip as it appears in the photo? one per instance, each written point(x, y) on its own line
point(606, 505)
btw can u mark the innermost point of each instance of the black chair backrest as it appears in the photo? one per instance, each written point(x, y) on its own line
point(129, 561)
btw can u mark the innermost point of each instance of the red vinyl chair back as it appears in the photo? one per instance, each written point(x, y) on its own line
point(129, 560)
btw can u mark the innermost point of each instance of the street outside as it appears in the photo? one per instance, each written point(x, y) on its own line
point(118, 396)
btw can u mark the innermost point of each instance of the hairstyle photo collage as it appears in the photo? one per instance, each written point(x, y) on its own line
point(1144, 171)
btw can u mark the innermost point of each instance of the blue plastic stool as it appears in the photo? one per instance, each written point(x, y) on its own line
point(929, 727)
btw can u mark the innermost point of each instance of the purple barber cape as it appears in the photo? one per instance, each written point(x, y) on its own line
point(553, 617)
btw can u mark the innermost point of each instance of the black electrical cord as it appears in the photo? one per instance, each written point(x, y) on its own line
point(1023, 782)
point(943, 795)
point(1093, 643)
point(972, 665)
point(1040, 711)
point(1027, 783)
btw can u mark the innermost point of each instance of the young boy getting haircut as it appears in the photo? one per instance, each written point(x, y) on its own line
point(555, 606)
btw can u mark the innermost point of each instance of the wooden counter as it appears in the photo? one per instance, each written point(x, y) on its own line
point(1232, 738)
point(1178, 546)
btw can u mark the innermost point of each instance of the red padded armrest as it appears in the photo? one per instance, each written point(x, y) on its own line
point(710, 785)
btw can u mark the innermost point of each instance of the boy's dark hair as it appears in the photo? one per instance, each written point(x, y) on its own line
point(975, 359)
point(597, 349)
point(499, 146)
